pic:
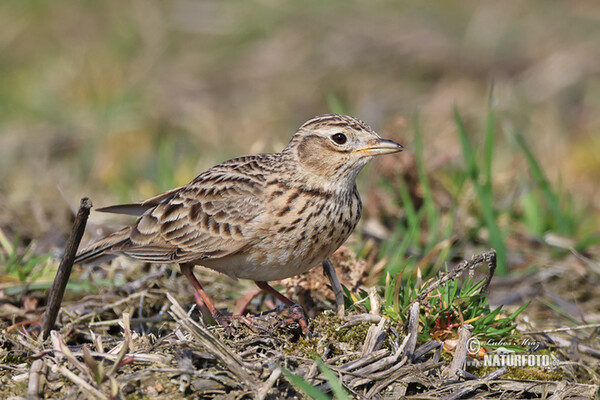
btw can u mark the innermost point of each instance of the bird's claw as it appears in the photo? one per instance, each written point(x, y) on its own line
point(296, 314)
point(226, 320)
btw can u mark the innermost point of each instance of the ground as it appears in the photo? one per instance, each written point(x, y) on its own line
point(499, 116)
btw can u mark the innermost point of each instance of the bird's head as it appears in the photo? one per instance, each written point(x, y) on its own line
point(336, 147)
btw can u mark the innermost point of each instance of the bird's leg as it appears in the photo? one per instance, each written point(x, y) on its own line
point(296, 311)
point(203, 301)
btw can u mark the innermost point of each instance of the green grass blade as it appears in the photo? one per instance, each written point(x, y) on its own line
point(304, 386)
point(533, 213)
point(408, 205)
point(560, 311)
point(484, 190)
point(587, 241)
point(467, 149)
point(496, 237)
point(488, 150)
point(334, 382)
point(428, 201)
point(540, 179)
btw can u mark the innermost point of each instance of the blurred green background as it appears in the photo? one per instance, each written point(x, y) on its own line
point(119, 100)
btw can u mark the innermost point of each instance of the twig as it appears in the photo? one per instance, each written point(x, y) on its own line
point(109, 307)
point(473, 385)
point(357, 319)
point(137, 357)
point(460, 353)
point(374, 338)
point(62, 350)
point(561, 391)
point(329, 271)
point(110, 322)
point(368, 359)
point(136, 285)
point(564, 343)
point(378, 365)
point(262, 393)
point(375, 301)
point(38, 370)
point(487, 257)
point(572, 328)
point(64, 269)
point(212, 344)
point(426, 348)
point(82, 383)
point(412, 330)
point(490, 258)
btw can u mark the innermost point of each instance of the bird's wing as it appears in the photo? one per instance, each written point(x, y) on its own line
point(208, 218)
point(140, 208)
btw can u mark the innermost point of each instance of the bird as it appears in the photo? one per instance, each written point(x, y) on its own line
point(260, 217)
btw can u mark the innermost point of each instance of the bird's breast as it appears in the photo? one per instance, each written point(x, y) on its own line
point(300, 229)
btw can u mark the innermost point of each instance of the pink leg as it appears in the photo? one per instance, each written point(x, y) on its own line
point(296, 312)
point(203, 301)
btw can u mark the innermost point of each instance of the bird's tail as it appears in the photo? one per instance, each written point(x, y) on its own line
point(102, 250)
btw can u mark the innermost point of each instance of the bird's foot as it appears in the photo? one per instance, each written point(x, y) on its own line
point(295, 314)
point(226, 321)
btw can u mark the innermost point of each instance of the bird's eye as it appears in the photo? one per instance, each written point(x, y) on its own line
point(339, 138)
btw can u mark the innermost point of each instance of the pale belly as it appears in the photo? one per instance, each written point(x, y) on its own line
point(285, 250)
point(275, 259)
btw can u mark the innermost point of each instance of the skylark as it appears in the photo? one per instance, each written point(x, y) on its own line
point(261, 217)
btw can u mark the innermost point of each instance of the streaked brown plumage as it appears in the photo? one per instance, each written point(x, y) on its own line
point(261, 217)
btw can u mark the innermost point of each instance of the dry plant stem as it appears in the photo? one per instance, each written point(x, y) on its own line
point(460, 354)
point(543, 388)
point(564, 343)
point(375, 301)
point(64, 269)
point(561, 391)
point(426, 348)
point(212, 344)
point(357, 319)
point(111, 322)
point(83, 385)
point(368, 359)
point(571, 328)
point(412, 330)
point(383, 363)
point(139, 358)
point(262, 393)
point(36, 376)
point(329, 271)
point(471, 386)
point(488, 257)
point(375, 337)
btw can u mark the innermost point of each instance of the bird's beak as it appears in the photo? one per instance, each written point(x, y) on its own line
point(381, 146)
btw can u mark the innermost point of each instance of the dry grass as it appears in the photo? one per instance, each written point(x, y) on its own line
point(120, 100)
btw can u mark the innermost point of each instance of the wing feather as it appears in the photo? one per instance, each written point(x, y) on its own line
point(209, 218)
point(138, 209)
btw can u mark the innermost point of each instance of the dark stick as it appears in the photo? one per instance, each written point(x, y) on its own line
point(487, 257)
point(329, 271)
point(64, 269)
